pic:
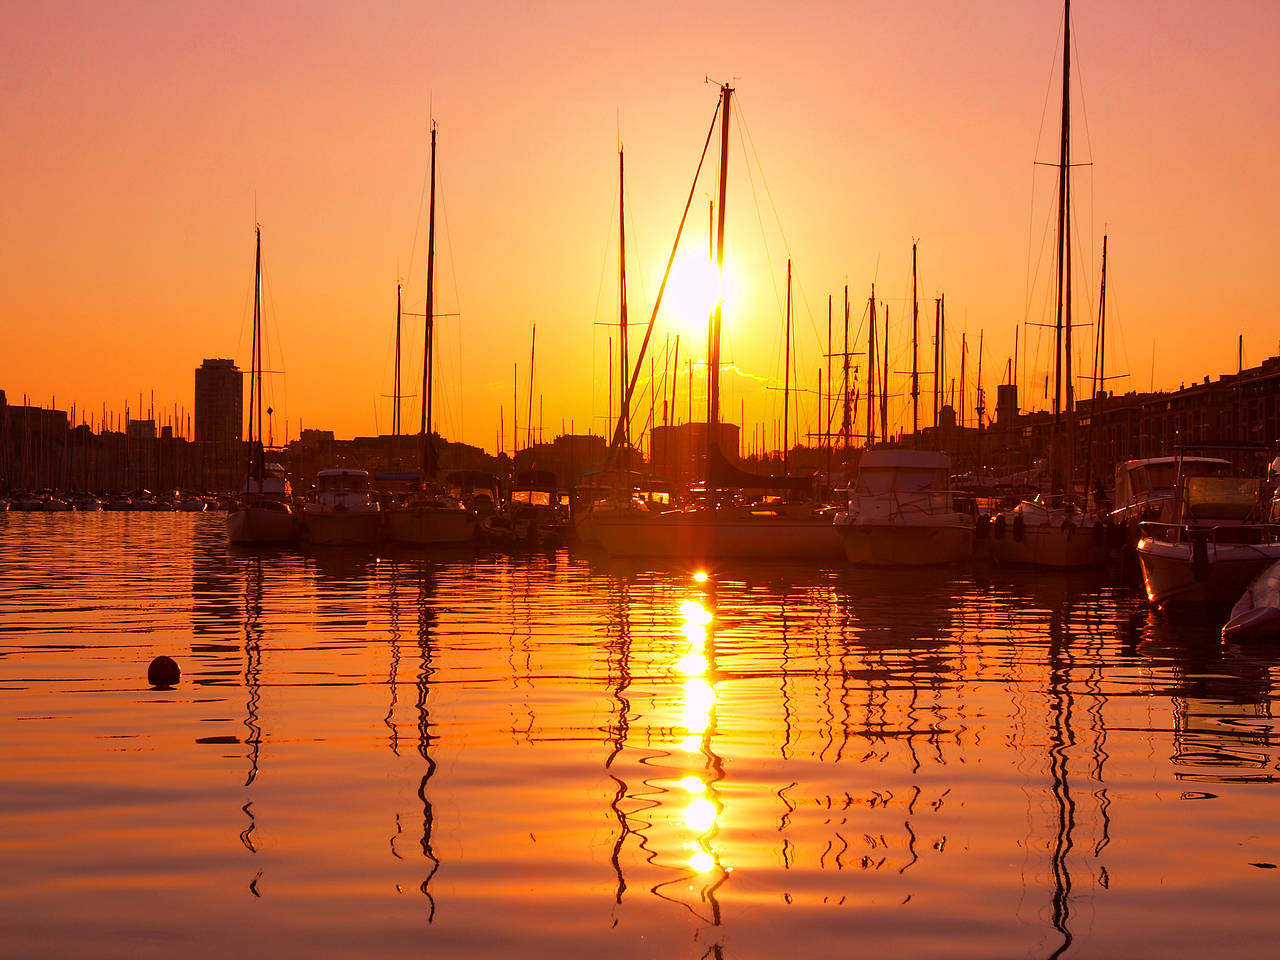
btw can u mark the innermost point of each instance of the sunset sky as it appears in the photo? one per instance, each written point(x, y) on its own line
point(143, 139)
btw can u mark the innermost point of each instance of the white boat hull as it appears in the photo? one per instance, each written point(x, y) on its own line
point(1051, 546)
point(714, 538)
point(907, 545)
point(1171, 573)
point(261, 525)
point(342, 527)
point(412, 525)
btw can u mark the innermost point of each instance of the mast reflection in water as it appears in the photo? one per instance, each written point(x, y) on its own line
point(537, 756)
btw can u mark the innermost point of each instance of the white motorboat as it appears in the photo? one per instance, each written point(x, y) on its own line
point(901, 512)
point(762, 531)
point(1146, 488)
point(429, 517)
point(1222, 541)
point(1042, 533)
point(344, 510)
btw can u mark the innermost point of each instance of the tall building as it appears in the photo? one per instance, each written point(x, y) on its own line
point(219, 402)
point(219, 423)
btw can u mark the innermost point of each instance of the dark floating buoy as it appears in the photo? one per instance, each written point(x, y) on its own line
point(163, 672)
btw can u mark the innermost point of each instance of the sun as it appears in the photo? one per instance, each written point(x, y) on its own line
point(692, 292)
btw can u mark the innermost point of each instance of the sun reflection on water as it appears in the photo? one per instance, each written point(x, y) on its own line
point(701, 813)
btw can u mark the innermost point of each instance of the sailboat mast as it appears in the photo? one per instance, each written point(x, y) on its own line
point(1069, 389)
point(395, 410)
point(942, 343)
point(624, 365)
point(786, 388)
point(255, 373)
point(846, 416)
point(713, 331)
point(1099, 359)
point(713, 355)
point(937, 367)
point(824, 422)
point(533, 351)
point(871, 369)
point(915, 352)
point(428, 465)
point(884, 382)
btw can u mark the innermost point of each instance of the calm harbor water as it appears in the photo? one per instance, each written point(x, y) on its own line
point(550, 755)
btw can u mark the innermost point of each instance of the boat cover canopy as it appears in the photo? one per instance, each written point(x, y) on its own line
point(722, 473)
point(897, 458)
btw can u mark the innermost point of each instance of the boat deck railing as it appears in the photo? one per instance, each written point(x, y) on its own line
point(1227, 533)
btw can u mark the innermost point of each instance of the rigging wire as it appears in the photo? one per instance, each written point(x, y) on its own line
point(457, 305)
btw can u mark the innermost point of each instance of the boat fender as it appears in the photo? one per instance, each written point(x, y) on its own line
point(1200, 558)
point(1068, 527)
point(983, 528)
point(1019, 528)
point(997, 526)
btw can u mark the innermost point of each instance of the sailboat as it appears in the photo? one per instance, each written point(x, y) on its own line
point(718, 528)
point(429, 516)
point(611, 492)
point(1057, 531)
point(262, 513)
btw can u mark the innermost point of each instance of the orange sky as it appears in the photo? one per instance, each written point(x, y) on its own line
point(140, 138)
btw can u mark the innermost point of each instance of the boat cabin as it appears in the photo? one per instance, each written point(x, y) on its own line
point(1148, 485)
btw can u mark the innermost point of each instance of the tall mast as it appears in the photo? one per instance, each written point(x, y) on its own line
point(937, 368)
point(255, 465)
point(533, 347)
point(915, 353)
point(980, 402)
point(846, 416)
point(871, 369)
point(942, 343)
point(713, 354)
point(1099, 359)
point(624, 365)
point(428, 349)
point(786, 388)
point(1063, 391)
point(395, 410)
point(884, 382)
point(824, 422)
point(713, 346)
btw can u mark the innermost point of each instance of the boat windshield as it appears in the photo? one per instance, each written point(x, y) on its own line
point(343, 483)
point(878, 481)
point(1161, 478)
point(1219, 498)
point(537, 498)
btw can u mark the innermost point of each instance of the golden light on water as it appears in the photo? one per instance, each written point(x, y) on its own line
point(699, 699)
point(692, 664)
point(698, 712)
point(700, 815)
point(702, 862)
point(693, 784)
point(695, 614)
